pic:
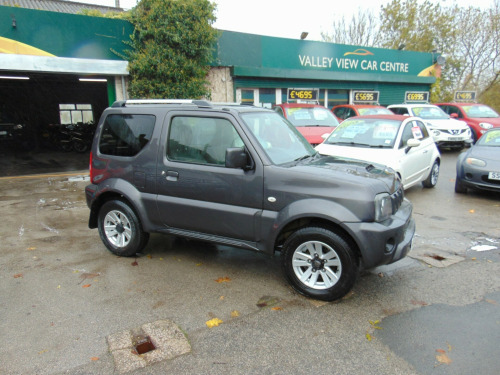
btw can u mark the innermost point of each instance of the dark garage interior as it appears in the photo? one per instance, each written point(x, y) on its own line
point(35, 123)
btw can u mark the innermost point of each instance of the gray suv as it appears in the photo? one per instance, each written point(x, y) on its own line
point(244, 177)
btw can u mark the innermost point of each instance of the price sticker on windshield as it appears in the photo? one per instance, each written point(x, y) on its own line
point(365, 97)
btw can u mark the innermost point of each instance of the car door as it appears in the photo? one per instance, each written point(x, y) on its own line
point(196, 192)
point(417, 161)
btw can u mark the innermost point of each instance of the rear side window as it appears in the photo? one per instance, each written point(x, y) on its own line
point(126, 135)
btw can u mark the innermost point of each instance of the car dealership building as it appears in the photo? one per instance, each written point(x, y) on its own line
point(51, 57)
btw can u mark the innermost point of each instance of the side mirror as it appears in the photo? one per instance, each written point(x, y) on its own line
point(236, 157)
point(325, 136)
point(412, 142)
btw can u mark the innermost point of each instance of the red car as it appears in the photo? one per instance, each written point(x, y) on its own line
point(311, 120)
point(344, 111)
point(479, 117)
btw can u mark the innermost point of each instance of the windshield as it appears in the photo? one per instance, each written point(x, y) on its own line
point(311, 116)
point(369, 132)
point(430, 113)
point(490, 139)
point(479, 111)
point(375, 111)
point(279, 139)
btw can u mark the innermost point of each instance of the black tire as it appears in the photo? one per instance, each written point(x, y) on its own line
point(80, 146)
point(120, 229)
point(460, 188)
point(326, 262)
point(432, 179)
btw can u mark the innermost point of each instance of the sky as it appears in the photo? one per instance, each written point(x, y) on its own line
point(289, 18)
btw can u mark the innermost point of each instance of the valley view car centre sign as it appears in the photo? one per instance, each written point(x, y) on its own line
point(262, 56)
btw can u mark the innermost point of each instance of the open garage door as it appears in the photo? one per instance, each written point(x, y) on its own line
point(34, 110)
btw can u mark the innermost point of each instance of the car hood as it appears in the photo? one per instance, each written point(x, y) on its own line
point(491, 154)
point(446, 124)
point(313, 133)
point(349, 169)
point(383, 156)
point(495, 121)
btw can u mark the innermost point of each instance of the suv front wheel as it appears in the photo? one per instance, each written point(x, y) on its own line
point(319, 263)
point(120, 229)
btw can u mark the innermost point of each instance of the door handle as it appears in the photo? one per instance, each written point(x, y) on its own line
point(171, 175)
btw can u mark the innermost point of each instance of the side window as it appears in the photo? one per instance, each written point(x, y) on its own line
point(351, 113)
point(201, 140)
point(413, 129)
point(399, 110)
point(407, 134)
point(423, 129)
point(126, 135)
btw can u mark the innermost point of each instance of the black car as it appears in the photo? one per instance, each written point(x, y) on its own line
point(479, 167)
point(244, 177)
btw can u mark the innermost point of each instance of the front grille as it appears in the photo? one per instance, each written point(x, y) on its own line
point(454, 131)
point(485, 178)
point(397, 199)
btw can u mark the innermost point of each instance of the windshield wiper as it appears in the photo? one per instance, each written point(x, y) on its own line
point(351, 144)
point(306, 157)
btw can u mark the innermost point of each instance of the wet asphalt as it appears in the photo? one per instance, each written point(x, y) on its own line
point(62, 294)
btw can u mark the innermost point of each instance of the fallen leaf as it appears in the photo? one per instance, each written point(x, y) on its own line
point(443, 358)
point(474, 258)
point(161, 258)
point(134, 263)
point(198, 264)
point(472, 211)
point(493, 302)
point(18, 275)
point(149, 256)
point(419, 303)
point(221, 298)
point(86, 286)
point(31, 248)
point(440, 351)
point(374, 324)
point(235, 314)
point(43, 351)
point(368, 337)
point(277, 308)
point(224, 279)
point(213, 322)
point(59, 287)
point(94, 358)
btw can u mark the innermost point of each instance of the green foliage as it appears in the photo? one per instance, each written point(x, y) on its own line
point(421, 26)
point(172, 47)
point(97, 13)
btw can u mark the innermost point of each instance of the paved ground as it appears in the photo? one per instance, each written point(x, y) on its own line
point(62, 295)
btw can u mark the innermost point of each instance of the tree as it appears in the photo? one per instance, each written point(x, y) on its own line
point(172, 48)
point(362, 31)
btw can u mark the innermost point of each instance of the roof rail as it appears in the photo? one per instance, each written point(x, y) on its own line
point(125, 103)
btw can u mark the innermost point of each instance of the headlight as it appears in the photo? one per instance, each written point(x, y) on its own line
point(18, 127)
point(485, 125)
point(383, 207)
point(476, 162)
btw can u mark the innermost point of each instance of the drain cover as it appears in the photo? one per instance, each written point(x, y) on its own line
point(150, 343)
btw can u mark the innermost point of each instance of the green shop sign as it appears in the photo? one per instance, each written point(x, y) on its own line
point(254, 55)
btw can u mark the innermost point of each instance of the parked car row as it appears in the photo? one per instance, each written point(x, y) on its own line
point(406, 137)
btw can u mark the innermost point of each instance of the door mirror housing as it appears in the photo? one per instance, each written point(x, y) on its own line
point(237, 157)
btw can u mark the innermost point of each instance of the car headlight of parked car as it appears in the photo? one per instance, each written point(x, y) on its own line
point(485, 125)
point(475, 162)
point(383, 207)
point(18, 127)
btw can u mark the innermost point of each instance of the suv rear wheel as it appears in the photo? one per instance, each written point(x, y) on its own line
point(120, 229)
point(319, 263)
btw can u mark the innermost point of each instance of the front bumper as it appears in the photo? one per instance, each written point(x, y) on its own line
point(386, 242)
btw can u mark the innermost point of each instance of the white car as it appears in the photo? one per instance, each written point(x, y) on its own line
point(446, 131)
point(402, 143)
